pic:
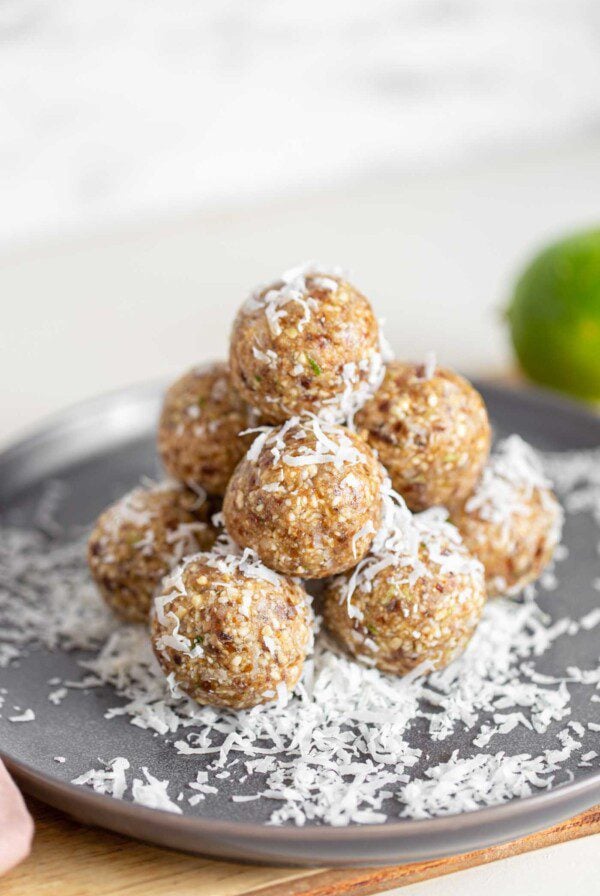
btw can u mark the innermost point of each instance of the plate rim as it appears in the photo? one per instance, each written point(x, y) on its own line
point(403, 827)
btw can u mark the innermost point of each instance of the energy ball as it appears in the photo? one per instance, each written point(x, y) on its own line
point(141, 538)
point(417, 597)
point(512, 522)
point(431, 431)
point(306, 498)
point(308, 343)
point(230, 632)
point(199, 430)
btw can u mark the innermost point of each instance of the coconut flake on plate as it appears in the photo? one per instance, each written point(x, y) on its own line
point(347, 746)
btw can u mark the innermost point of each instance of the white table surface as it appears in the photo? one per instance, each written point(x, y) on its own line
point(436, 254)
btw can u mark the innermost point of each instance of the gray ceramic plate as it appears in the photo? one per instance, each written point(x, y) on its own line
point(110, 440)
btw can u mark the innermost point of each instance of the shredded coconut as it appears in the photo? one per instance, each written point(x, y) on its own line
point(351, 744)
point(27, 716)
point(153, 793)
point(292, 287)
point(109, 779)
point(400, 541)
point(328, 444)
point(510, 478)
point(361, 381)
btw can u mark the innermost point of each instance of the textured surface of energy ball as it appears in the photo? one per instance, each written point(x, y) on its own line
point(139, 539)
point(230, 632)
point(431, 431)
point(307, 343)
point(512, 522)
point(306, 498)
point(199, 430)
point(416, 598)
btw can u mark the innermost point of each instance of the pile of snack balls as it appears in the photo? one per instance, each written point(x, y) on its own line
point(312, 456)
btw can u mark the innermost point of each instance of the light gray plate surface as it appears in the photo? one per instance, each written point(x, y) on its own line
point(99, 449)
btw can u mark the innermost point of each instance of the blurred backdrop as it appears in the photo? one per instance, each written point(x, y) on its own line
point(157, 159)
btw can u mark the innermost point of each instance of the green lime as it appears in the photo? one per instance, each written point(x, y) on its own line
point(554, 316)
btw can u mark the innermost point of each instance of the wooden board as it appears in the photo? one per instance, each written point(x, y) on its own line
point(69, 859)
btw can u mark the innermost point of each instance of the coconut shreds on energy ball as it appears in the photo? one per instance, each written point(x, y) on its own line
point(512, 522)
point(140, 538)
point(306, 498)
point(307, 343)
point(230, 632)
point(431, 431)
point(199, 430)
point(415, 599)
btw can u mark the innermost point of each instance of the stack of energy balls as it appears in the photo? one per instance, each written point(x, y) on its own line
point(312, 456)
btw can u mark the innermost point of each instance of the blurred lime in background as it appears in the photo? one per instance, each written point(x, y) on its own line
point(554, 316)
